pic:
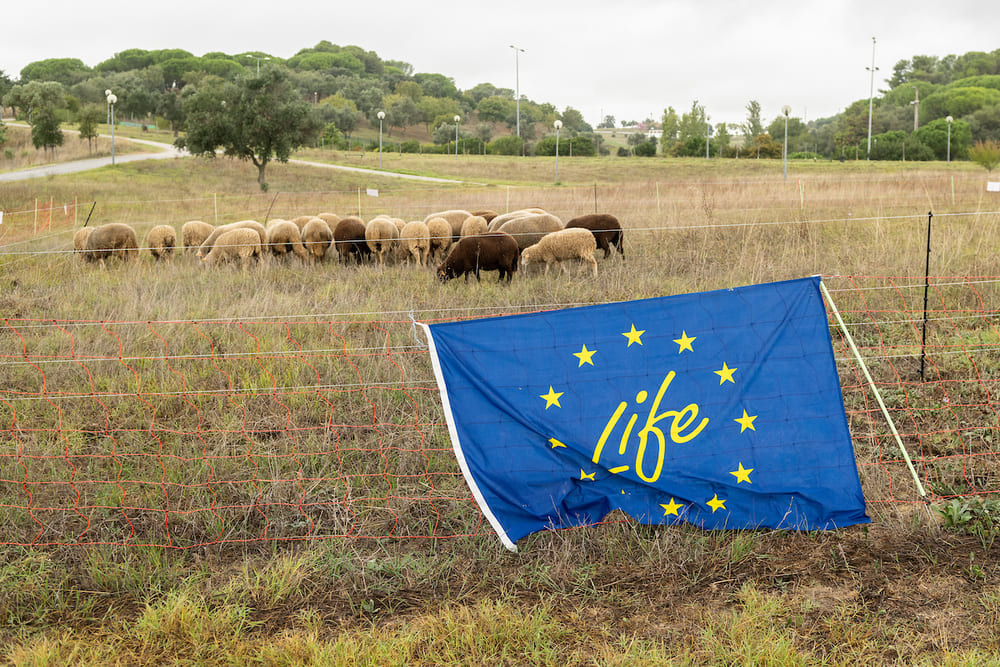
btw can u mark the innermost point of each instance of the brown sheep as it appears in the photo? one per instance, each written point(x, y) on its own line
point(194, 233)
point(206, 246)
point(161, 240)
point(440, 235)
point(381, 235)
point(284, 237)
point(316, 237)
point(530, 229)
point(606, 229)
point(241, 243)
point(557, 247)
point(349, 239)
point(494, 251)
point(115, 239)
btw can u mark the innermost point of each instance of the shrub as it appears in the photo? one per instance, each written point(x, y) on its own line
point(645, 149)
point(986, 154)
point(509, 145)
point(410, 146)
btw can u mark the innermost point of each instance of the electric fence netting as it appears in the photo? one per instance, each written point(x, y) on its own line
point(189, 433)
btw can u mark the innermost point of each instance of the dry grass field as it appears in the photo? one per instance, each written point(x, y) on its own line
point(433, 585)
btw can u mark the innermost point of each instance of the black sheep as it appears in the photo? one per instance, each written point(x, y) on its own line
point(349, 239)
point(606, 229)
point(495, 251)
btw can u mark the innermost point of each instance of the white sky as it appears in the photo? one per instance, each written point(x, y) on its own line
point(630, 58)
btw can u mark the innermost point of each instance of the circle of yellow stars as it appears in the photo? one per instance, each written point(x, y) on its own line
point(685, 344)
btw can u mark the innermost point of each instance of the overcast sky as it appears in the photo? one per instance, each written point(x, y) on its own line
point(627, 58)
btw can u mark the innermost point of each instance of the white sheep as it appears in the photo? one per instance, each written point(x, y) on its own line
point(331, 219)
point(284, 237)
point(440, 234)
point(161, 240)
point(499, 220)
point(530, 229)
point(206, 246)
point(241, 243)
point(316, 237)
point(80, 238)
point(194, 233)
point(557, 247)
point(455, 218)
point(416, 238)
point(473, 226)
point(381, 235)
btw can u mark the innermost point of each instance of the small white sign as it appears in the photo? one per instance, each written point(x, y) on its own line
point(993, 186)
point(1, 217)
point(372, 192)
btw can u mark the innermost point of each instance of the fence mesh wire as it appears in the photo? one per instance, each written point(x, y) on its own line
point(189, 433)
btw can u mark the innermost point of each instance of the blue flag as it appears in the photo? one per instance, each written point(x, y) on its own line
point(721, 409)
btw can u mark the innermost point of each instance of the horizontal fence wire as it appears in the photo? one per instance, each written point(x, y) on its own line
point(183, 434)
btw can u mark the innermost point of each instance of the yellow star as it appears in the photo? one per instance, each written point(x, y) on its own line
point(584, 476)
point(743, 474)
point(671, 508)
point(556, 443)
point(552, 398)
point(634, 336)
point(685, 342)
point(745, 422)
point(585, 356)
point(716, 504)
point(726, 374)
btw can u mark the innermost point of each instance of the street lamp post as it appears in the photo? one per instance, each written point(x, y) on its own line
point(708, 134)
point(107, 95)
point(784, 152)
point(259, 58)
point(517, 87)
point(871, 95)
point(916, 106)
point(381, 116)
point(558, 125)
point(457, 118)
point(112, 98)
point(949, 119)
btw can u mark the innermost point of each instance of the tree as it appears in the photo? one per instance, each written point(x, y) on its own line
point(257, 118)
point(484, 132)
point(608, 123)
point(495, 109)
point(753, 127)
point(45, 131)
point(935, 135)
point(986, 154)
point(692, 124)
point(67, 71)
point(91, 118)
point(573, 121)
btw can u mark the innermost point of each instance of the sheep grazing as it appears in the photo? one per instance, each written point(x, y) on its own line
point(493, 251)
point(206, 246)
point(316, 237)
point(80, 238)
point(349, 239)
point(300, 221)
point(194, 233)
point(455, 218)
point(606, 229)
point(557, 247)
point(500, 220)
point(530, 229)
point(485, 213)
point(115, 239)
point(416, 239)
point(161, 240)
point(241, 243)
point(331, 219)
point(474, 225)
point(381, 235)
point(283, 237)
point(440, 237)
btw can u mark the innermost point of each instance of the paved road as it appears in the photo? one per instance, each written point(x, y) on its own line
point(168, 152)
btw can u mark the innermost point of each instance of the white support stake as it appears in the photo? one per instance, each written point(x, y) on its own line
point(871, 383)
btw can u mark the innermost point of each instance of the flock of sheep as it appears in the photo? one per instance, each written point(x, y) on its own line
point(464, 242)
